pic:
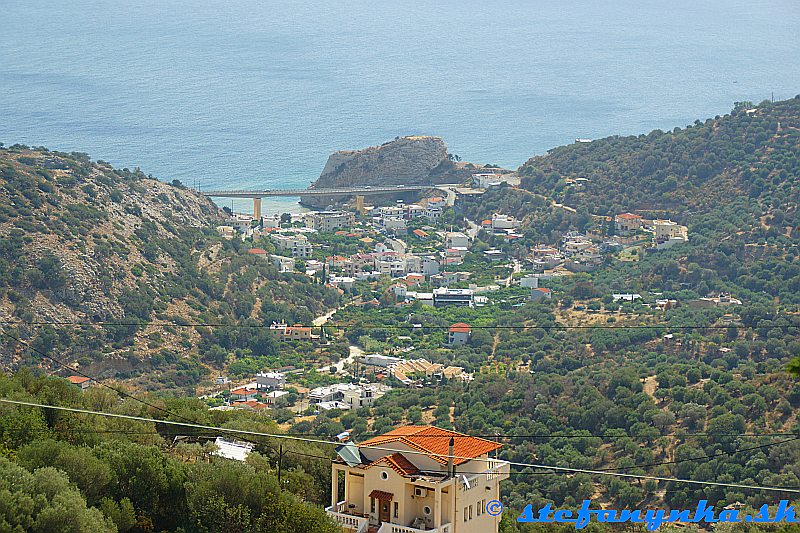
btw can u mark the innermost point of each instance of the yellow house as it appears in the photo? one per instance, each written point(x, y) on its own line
point(417, 479)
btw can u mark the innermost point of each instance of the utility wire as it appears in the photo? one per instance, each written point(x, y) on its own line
point(411, 452)
point(402, 327)
point(99, 382)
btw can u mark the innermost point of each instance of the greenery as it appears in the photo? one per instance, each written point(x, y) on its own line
point(67, 472)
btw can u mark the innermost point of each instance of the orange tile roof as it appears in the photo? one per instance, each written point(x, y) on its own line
point(381, 495)
point(435, 442)
point(243, 391)
point(460, 327)
point(628, 216)
point(419, 233)
point(77, 380)
point(257, 251)
point(398, 463)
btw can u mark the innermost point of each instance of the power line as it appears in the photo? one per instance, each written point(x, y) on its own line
point(402, 327)
point(707, 456)
point(99, 382)
point(405, 451)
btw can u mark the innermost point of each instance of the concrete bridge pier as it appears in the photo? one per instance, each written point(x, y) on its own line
point(256, 208)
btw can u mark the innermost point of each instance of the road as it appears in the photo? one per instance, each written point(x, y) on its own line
point(354, 351)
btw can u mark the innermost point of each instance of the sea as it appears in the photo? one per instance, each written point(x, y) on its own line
point(257, 93)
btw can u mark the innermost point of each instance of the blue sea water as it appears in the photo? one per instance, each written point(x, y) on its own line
point(247, 93)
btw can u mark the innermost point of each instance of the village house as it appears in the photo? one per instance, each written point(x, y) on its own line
point(243, 394)
point(345, 283)
point(270, 380)
point(503, 222)
point(297, 333)
point(409, 480)
point(444, 296)
point(283, 264)
point(625, 223)
point(80, 381)
point(271, 397)
point(456, 239)
point(459, 334)
point(347, 395)
point(668, 234)
point(402, 371)
point(260, 252)
point(540, 294)
point(297, 245)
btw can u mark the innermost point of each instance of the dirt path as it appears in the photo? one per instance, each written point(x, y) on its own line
point(650, 387)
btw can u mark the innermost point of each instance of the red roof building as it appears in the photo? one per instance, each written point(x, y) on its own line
point(434, 442)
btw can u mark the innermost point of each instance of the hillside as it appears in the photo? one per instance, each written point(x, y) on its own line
point(90, 245)
point(751, 152)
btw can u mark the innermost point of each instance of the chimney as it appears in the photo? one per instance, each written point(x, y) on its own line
point(450, 466)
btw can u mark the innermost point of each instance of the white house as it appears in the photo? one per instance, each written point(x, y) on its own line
point(458, 334)
point(270, 380)
point(456, 239)
point(417, 479)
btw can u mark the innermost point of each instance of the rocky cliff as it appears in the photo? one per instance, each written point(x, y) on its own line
point(405, 160)
point(78, 236)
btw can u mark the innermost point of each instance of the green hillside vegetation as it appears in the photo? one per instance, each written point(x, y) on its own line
point(635, 395)
point(71, 472)
point(84, 242)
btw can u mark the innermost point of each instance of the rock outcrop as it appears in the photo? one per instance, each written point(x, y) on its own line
point(403, 161)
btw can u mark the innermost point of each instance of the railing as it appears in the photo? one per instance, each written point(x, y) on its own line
point(357, 524)
point(497, 469)
point(397, 528)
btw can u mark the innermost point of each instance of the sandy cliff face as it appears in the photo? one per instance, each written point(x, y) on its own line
point(405, 160)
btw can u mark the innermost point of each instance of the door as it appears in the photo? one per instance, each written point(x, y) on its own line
point(383, 512)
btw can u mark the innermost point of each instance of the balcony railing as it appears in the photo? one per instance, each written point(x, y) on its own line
point(358, 524)
point(397, 528)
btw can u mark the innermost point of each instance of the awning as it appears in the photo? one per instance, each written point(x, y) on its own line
point(381, 495)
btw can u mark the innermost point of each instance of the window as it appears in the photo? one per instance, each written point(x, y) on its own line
point(470, 512)
point(478, 508)
point(384, 475)
point(426, 510)
point(465, 514)
point(396, 506)
point(372, 505)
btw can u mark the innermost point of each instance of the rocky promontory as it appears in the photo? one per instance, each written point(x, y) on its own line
point(403, 161)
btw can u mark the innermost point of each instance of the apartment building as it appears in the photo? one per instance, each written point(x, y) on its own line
point(408, 481)
point(330, 221)
point(297, 245)
point(444, 296)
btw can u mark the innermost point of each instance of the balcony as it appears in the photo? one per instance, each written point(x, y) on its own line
point(397, 528)
point(353, 522)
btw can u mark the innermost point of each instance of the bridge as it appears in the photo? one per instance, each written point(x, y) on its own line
point(257, 195)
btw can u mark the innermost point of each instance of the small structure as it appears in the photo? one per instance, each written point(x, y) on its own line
point(232, 449)
point(444, 296)
point(270, 380)
point(540, 294)
point(297, 332)
point(626, 297)
point(81, 381)
point(456, 239)
point(625, 223)
point(243, 394)
point(459, 334)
